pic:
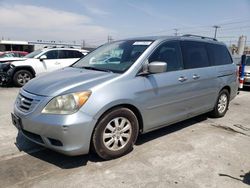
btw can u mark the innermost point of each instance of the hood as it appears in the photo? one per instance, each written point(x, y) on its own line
point(9, 59)
point(66, 80)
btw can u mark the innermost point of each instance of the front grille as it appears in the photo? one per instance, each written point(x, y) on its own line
point(26, 102)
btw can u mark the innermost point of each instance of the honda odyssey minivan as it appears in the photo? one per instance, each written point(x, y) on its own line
point(104, 106)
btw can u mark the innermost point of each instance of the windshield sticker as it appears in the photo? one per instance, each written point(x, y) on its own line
point(146, 43)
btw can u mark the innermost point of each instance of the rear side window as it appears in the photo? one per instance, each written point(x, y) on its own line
point(194, 54)
point(65, 54)
point(218, 54)
point(77, 54)
point(170, 53)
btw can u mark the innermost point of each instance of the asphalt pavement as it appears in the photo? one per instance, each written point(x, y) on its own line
point(200, 152)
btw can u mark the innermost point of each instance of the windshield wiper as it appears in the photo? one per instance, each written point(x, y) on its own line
point(98, 69)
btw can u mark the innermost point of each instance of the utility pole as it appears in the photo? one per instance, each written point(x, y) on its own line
point(215, 31)
point(83, 44)
point(176, 31)
point(110, 39)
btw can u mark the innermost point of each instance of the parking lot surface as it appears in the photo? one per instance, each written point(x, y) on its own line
point(200, 152)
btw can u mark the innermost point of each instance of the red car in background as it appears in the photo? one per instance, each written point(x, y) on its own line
point(12, 54)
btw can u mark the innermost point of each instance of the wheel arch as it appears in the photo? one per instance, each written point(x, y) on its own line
point(227, 88)
point(27, 68)
point(131, 107)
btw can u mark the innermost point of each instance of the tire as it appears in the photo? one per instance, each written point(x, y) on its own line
point(221, 105)
point(21, 77)
point(115, 133)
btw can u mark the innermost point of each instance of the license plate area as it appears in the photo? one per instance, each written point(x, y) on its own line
point(16, 121)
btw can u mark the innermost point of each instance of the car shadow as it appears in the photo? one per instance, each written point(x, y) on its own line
point(69, 162)
point(52, 157)
point(169, 129)
point(245, 89)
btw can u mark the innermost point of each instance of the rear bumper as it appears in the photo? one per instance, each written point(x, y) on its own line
point(67, 134)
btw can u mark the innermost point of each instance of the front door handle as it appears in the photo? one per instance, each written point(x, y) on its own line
point(195, 76)
point(57, 63)
point(182, 79)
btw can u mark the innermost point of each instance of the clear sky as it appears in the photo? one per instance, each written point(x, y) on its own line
point(94, 20)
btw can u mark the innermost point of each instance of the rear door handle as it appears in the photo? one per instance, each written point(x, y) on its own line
point(57, 63)
point(182, 79)
point(195, 76)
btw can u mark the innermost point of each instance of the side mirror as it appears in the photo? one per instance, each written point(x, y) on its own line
point(43, 57)
point(157, 67)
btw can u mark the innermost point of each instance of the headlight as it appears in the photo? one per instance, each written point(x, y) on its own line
point(66, 104)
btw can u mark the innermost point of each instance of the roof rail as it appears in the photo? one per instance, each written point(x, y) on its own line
point(198, 36)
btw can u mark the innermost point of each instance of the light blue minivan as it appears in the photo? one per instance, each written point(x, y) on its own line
point(124, 88)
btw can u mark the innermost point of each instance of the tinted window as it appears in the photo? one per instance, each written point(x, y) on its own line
point(64, 54)
point(218, 54)
point(77, 54)
point(194, 54)
point(248, 61)
point(170, 53)
point(53, 54)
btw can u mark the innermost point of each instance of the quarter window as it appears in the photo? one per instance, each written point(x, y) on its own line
point(194, 55)
point(218, 54)
point(170, 53)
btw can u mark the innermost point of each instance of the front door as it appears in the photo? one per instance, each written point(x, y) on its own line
point(167, 94)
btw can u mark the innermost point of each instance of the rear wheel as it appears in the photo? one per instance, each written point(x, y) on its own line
point(221, 105)
point(21, 77)
point(116, 133)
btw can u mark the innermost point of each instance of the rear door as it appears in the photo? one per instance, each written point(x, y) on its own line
point(201, 77)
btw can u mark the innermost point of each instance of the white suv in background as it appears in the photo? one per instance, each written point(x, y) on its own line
point(44, 60)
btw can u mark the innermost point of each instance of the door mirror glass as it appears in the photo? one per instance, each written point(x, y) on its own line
point(157, 67)
point(43, 57)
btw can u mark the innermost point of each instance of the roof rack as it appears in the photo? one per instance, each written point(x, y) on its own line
point(198, 36)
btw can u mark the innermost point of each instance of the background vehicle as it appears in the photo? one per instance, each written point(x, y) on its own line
point(41, 61)
point(13, 54)
point(10, 56)
point(247, 72)
point(158, 81)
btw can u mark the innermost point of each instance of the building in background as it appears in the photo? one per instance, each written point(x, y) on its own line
point(9, 45)
point(241, 48)
point(30, 46)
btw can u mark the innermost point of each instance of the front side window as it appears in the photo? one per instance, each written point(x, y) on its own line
point(194, 54)
point(170, 53)
point(116, 57)
point(53, 54)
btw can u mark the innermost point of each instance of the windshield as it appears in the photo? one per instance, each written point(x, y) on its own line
point(115, 57)
point(33, 54)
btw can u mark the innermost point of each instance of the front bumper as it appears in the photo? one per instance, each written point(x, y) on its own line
point(67, 134)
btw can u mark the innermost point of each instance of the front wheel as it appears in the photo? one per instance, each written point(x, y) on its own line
point(21, 77)
point(221, 105)
point(116, 133)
